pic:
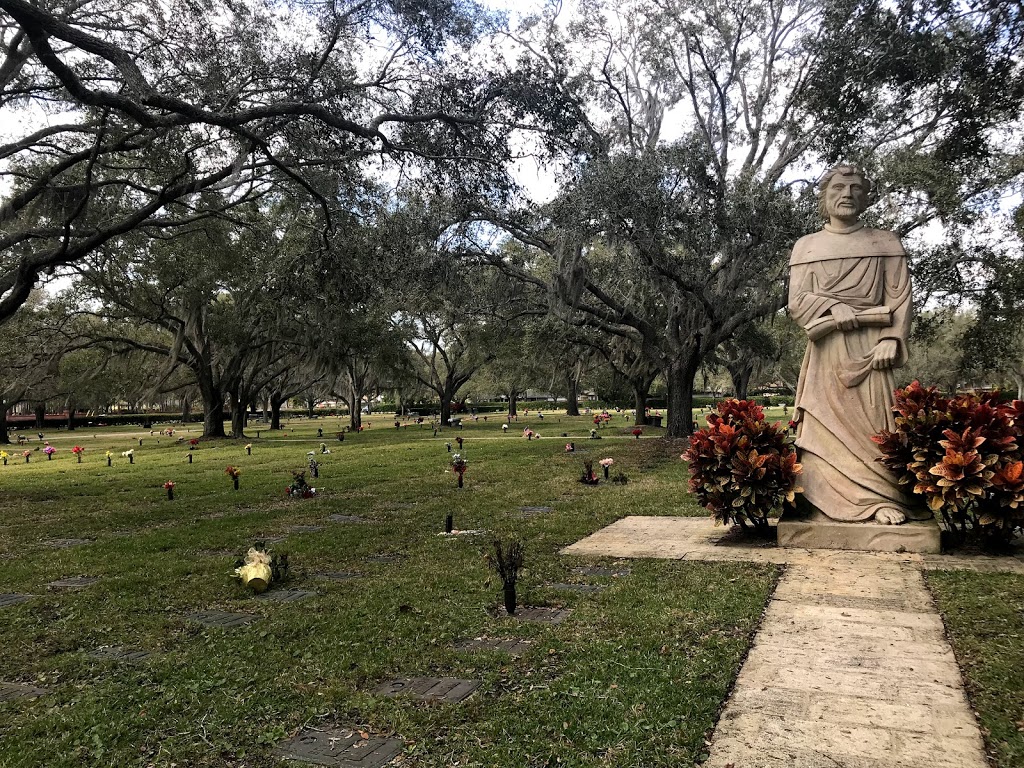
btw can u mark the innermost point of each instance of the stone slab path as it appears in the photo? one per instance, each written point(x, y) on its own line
point(850, 667)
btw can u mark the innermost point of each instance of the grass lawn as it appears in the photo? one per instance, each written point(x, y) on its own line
point(984, 615)
point(634, 677)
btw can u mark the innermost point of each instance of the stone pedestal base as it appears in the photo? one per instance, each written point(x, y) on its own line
point(816, 531)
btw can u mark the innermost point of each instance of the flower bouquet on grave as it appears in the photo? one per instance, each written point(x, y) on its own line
point(637, 432)
point(324, 449)
point(27, 455)
point(169, 487)
point(459, 466)
point(248, 449)
point(259, 568)
point(3, 456)
point(78, 451)
point(130, 455)
point(300, 489)
point(110, 458)
point(528, 433)
point(588, 477)
point(570, 447)
point(507, 562)
point(49, 450)
point(193, 443)
point(605, 464)
point(234, 473)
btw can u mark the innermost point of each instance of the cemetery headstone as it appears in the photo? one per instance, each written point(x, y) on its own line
point(600, 570)
point(75, 582)
point(338, 575)
point(347, 519)
point(118, 653)
point(448, 689)
point(339, 749)
point(13, 598)
point(513, 645)
point(66, 543)
point(285, 595)
point(562, 587)
point(543, 615)
point(12, 691)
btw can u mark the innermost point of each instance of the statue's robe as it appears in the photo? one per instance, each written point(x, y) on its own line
point(841, 401)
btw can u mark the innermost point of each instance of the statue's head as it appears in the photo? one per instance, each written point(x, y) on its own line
point(845, 191)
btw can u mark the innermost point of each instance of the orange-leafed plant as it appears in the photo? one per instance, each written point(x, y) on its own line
point(962, 455)
point(742, 468)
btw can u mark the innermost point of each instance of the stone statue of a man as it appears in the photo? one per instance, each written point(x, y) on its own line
point(850, 291)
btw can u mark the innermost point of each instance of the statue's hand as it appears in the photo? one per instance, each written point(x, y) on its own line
point(884, 354)
point(846, 319)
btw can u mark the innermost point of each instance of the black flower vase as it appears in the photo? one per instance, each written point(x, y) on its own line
point(606, 473)
point(190, 458)
point(448, 524)
point(110, 462)
point(236, 483)
point(131, 459)
point(170, 494)
point(510, 599)
point(460, 480)
point(49, 457)
point(248, 451)
point(79, 458)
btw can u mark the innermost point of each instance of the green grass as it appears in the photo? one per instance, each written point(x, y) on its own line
point(635, 677)
point(984, 615)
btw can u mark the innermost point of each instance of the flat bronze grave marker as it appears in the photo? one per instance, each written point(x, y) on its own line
point(600, 570)
point(118, 653)
point(385, 558)
point(543, 615)
point(577, 587)
point(13, 598)
point(66, 543)
point(285, 595)
point(338, 575)
point(221, 618)
point(339, 749)
point(74, 582)
point(304, 528)
point(449, 689)
point(512, 645)
point(12, 691)
point(347, 519)
point(535, 510)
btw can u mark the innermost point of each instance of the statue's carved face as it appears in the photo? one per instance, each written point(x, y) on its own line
point(846, 196)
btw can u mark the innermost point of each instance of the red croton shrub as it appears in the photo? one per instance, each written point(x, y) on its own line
point(741, 467)
point(963, 455)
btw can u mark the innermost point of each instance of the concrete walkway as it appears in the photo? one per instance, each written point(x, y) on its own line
point(850, 667)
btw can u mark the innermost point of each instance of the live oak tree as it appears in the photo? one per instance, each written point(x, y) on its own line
point(759, 98)
point(159, 103)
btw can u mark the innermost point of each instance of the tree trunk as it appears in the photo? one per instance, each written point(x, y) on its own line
point(680, 377)
point(4, 437)
point(740, 375)
point(237, 416)
point(572, 396)
point(186, 409)
point(355, 414)
point(640, 393)
point(1018, 379)
point(276, 401)
point(310, 407)
point(446, 410)
point(40, 413)
point(71, 417)
point(213, 410)
point(513, 403)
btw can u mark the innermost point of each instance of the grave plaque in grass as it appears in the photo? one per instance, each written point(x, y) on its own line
point(75, 582)
point(304, 528)
point(347, 519)
point(13, 598)
point(385, 558)
point(543, 615)
point(338, 575)
point(285, 595)
point(12, 691)
point(449, 689)
point(340, 749)
point(511, 645)
point(221, 618)
point(577, 587)
point(66, 543)
point(117, 653)
point(600, 570)
point(534, 510)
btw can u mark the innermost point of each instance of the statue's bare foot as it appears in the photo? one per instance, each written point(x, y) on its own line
point(890, 516)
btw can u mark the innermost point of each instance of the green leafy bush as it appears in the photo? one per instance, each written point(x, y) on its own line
point(741, 467)
point(962, 454)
